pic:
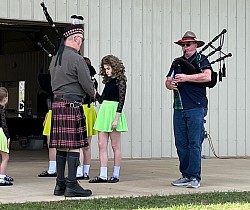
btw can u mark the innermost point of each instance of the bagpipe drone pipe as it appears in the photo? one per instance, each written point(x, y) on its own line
point(46, 45)
point(50, 48)
point(182, 65)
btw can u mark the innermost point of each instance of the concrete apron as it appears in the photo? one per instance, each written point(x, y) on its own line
point(137, 178)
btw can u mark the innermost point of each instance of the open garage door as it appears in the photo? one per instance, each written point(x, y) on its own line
point(21, 61)
point(23, 36)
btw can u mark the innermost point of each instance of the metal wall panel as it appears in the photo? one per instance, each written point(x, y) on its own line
point(156, 79)
point(167, 147)
point(141, 33)
point(147, 64)
point(5, 9)
point(14, 9)
point(136, 128)
point(126, 45)
point(222, 90)
point(241, 77)
point(247, 77)
point(231, 79)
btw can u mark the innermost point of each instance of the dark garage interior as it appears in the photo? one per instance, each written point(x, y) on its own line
point(25, 51)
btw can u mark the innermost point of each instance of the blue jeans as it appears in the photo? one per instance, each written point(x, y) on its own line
point(189, 135)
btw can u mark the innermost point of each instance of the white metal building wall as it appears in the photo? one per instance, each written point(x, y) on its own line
point(141, 33)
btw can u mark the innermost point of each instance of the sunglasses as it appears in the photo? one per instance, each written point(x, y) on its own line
point(186, 44)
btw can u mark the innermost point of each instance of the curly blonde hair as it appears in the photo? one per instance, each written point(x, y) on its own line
point(118, 69)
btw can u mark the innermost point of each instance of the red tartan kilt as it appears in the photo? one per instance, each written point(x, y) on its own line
point(68, 126)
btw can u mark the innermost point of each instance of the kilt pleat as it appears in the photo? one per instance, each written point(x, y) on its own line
point(68, 125)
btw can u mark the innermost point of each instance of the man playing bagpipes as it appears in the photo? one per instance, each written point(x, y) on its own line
point(188, 78)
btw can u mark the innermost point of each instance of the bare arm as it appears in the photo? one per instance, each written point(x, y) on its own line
point(170, 84)
point(115, 122)
point(204, 76)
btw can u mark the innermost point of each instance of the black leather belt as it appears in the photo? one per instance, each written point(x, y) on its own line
point(69, 97)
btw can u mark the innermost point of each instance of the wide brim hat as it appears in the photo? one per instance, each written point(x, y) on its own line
point(190, 36)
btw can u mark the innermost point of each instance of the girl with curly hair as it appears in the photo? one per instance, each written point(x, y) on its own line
point(111, 119)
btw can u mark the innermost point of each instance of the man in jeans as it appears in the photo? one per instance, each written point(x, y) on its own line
point(190, 107)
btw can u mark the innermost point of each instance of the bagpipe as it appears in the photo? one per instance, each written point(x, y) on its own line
point(51, 49)
point(181, 65)
point(46, 45)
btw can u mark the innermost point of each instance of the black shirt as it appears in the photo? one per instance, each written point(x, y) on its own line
point(3, 123)
point(114, 90)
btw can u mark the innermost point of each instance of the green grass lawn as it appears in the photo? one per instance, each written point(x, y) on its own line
point(216, 200)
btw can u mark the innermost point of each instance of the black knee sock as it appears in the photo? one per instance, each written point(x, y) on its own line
point(61, 157)
point(73, 159)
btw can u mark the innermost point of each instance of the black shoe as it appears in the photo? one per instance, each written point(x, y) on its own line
point(113, 180)
point(8, 178)
point(5, 183)
point(60, 188)
point(84, 177)
point(46, 174)
point(98, 179)
point(73, 189)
